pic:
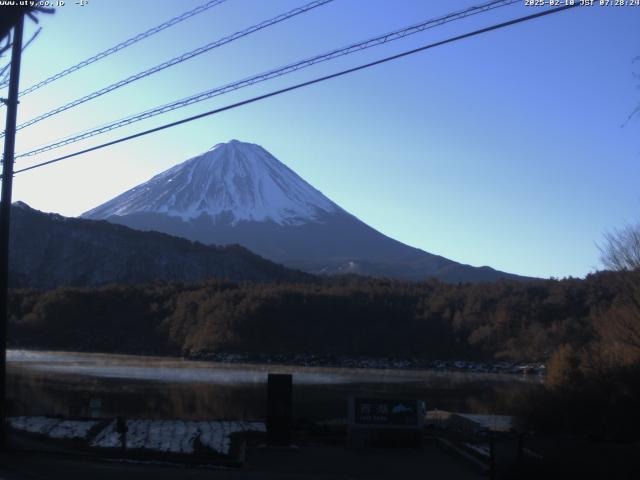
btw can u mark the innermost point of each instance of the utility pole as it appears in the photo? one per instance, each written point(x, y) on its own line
point(5, 214)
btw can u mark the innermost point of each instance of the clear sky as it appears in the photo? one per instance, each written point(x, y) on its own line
point(504, 150)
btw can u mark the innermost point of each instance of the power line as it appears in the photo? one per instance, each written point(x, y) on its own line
point(303, 84)
point(122, 45)
point(375, 41)
point(177, 60)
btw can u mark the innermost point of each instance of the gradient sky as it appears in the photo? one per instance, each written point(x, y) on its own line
point(505, 150)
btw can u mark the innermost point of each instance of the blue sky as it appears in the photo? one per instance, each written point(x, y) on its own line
point(504, 150)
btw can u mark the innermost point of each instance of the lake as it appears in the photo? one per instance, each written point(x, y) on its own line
point(64, 383)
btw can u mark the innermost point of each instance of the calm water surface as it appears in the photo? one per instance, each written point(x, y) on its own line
point(60, 383)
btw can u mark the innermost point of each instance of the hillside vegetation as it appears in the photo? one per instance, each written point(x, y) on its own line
point(506, 320)
point(49, 251)
point(587, 331)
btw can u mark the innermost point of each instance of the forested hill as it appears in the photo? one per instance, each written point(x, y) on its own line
point(338, 316)
point(49, 250)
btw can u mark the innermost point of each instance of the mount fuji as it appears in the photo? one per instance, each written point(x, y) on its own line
point(238, 193)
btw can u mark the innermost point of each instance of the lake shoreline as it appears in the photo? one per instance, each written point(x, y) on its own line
point(373, 364)
point(66, 383)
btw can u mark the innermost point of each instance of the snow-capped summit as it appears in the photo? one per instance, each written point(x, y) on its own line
point(236, 181)
point(238, 193)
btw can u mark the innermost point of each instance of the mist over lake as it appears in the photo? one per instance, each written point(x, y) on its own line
point(57, 383)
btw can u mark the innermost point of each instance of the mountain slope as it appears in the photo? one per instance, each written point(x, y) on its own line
point(49, 250)
point(239, 193)
point(236, 178)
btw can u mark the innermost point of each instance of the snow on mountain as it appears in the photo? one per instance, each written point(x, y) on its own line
point(238, 193)
point(239, 179)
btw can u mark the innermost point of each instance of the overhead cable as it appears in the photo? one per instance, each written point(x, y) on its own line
point(175, 61)
point(303, 84)
point(278, 72)
point(122, 45)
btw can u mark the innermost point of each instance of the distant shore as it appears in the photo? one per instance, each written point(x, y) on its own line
point(333, 361)
point(380, 363)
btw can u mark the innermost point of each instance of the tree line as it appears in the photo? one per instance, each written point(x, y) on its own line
point(505, 320)
point(587, 331)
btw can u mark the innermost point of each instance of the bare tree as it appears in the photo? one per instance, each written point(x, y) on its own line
point(619, 326)
point(621, 248)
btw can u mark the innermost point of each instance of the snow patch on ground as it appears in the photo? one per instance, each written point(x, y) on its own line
point(107, 437)
point(176, 436)
point(172, 436)
point(496, 423)
point(72, 429)
point(53, 427)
